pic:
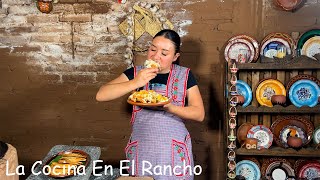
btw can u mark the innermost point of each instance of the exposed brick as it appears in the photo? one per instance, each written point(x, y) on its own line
point(59, 68)
point(67, 1)
point(3, 30)
point(45, 38)
point(50, 78)
point(60, 27)
point(84, 1)
point(19, 30)
point(14, 40)
point(107, 59)
point(76, 18)
point(62, 9)
point(101, 1)
point(100, 8)
point(83, 8)
point(3, 12)
point(26, 49)
point(84, 48)
point(65, 39)
point(43, 18)
point(16, 2)
point(23, 10)
point(13, 21)
point(83, 39)
point(79, 78)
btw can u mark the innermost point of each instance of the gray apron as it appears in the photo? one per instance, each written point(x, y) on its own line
point(160, 144)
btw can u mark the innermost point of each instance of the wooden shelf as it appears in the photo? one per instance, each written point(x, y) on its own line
point(278, 151)
point(302, 63)
point(279, 109)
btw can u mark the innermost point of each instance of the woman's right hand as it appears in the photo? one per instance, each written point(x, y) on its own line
point(145, 75)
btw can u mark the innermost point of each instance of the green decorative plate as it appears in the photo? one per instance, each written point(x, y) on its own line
point(304, 37)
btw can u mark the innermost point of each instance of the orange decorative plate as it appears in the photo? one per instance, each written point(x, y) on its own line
point(149, 104)
point(266, 89)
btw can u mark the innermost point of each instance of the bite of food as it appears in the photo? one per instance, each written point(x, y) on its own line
point(152, 64)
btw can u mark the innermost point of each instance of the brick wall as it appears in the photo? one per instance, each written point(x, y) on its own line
point(51, 66)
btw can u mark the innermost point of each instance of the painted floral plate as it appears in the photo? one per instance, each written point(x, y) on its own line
point(234, 48)
point(310, 171)
point(244, 89)
point(248, 169)
point(263, 134)
point(266, 89)
point(304, 37)
point(316, 135)
point(311, 47)
point(304, 93)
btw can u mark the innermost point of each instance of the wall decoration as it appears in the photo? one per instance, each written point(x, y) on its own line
point(44, 6)
point(143, 18)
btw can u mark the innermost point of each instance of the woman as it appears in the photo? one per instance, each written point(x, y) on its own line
point(159, 138)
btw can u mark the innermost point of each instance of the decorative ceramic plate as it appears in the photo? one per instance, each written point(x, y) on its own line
point(280, 171)
point(72, 159)
point(291, 130)
point(269, 48)
point(300, 121)
point(263, 134)
point(310, 171)
point(268, 161)
point(248, 169)
point(299, 77)
point(311, 47)
point(244, 89)
point(253, 42)
point(304, 93)
point(266, 89)
point(234, 48)
point(304, 37)
point(281, 35)
point(148, 104)
point(299, 163)
point(316, 135)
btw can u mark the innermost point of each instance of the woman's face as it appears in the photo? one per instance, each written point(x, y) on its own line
point(163, 51)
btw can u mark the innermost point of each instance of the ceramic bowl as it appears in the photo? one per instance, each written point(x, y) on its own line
point(278, 100)
point(240, 99)
point(294, 142)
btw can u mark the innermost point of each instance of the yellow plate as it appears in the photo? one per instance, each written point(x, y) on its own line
point(311, 47)
point(266, 89)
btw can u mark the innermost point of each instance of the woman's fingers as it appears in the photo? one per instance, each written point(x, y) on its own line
point(145, 75)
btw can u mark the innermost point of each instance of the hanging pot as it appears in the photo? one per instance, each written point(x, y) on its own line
point(289, 5)
point(44, 6)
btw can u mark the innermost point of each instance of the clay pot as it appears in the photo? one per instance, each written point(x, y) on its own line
point(240, 99)
point(44, 6)
point(250, 143)
point(288, 5)
point(278, 100)
point(294, 142)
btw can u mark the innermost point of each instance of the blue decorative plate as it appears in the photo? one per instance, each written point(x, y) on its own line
point(244, 90)
point(248, 169)
point(304, 93)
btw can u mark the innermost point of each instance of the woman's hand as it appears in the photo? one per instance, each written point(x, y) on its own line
point(145, 75)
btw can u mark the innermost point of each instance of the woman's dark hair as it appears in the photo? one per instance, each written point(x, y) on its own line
point(171, 35)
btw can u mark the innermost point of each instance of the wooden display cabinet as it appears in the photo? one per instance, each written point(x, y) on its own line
point(252, 74)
